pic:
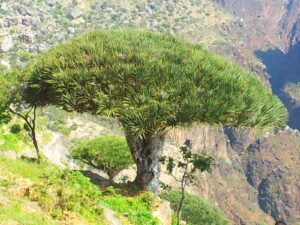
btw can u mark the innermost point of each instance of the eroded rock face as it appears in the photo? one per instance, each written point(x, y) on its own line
point(272, 167)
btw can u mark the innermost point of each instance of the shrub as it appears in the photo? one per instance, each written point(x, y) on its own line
point(195, 210)
point(69, 191)
point(108, 153)
point(15, 129)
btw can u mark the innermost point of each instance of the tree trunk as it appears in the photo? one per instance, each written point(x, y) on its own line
point(146, 153)
point(36, 146)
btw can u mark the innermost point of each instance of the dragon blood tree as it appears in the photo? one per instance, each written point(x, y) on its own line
point(150, 83)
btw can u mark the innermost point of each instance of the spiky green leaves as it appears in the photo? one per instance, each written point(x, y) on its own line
point(150, 82)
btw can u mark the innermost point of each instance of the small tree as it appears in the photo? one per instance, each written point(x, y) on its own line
point(150, 83)
point(11, 90)
point(109, 153)
point(187, 166)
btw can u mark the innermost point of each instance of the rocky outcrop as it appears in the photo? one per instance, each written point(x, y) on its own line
point(271, 24)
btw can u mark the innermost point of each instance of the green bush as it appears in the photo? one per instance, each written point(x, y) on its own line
point(108, 153)
point(195, 210)
point(15, 129)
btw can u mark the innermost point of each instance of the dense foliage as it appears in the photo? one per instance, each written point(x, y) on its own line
point(150, 82)
point(196, 211)
point(108, 153)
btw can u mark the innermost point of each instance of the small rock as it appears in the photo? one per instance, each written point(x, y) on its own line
point(25, 11)
point(35, 21)
point(26, 37)
point(33, 48)
point(126, 175)
point(71, 30)
point(43, 47)
point(75, 13)
point(12, 21)
point(26, 21)
point(163, 213)
point(22, 11)
point(51, 3)
point(110, 217)
point(7, 44)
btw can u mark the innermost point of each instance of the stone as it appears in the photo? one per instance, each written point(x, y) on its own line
point(23, 11)
point(51, 3)
point(75, 13)
point(26, 21)
point(163, 212)
point(4, 63)
point(71, 30)
point(33, 48)
point(6, 44)
point(26, 37)
point(12, 21)
point(43, 47)
point(110, 217)
point(126, 175)
point(35, 21)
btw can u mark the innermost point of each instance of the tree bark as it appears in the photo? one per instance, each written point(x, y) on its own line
point(146, 153)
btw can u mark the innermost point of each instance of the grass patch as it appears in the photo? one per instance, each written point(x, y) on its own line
point(15, 213)
point(25, 169)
